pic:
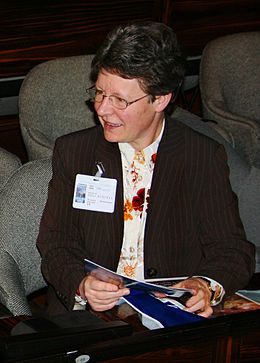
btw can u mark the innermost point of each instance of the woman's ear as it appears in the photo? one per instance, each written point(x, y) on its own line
point(162, 101)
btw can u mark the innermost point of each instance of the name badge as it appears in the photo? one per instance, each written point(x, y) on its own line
point(94, 193)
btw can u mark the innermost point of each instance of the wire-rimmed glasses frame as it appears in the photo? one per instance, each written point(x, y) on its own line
point(116, 101)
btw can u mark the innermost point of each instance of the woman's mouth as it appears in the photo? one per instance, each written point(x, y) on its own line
point(111, 125)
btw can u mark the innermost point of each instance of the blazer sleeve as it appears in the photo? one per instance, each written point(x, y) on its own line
point(59, 239)
point(228, 256)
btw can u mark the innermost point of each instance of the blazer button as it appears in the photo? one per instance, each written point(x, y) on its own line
point(151, 272)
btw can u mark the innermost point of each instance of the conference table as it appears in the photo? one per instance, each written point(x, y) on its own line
point(231, 335)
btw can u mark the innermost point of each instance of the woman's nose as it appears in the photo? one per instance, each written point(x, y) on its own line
point(104, 106)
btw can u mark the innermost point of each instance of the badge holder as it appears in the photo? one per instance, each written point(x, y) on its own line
point(95, 193)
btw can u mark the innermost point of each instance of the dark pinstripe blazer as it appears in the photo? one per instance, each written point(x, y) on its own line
point(193, 225)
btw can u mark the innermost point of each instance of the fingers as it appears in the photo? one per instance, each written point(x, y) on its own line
point(199, 303)
point(101, 295)
point(207, 312)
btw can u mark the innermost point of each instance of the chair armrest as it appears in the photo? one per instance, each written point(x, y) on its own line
point(4, 312)
point(228, 118)
point(244, 131)
point(12, 292)
point(8, 165)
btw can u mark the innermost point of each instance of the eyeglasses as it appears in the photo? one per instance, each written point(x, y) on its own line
point(96, 95)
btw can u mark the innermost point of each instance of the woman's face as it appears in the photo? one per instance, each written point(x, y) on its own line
point(139, 124)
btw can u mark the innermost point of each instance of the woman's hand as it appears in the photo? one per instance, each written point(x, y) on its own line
point(101, 296)
point(200, 301)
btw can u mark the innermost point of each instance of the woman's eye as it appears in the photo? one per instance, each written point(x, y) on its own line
point(121, 100)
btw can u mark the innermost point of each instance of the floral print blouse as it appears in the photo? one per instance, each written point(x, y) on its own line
point(138, 169)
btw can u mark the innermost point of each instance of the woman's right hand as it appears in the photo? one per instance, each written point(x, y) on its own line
point(100, 295)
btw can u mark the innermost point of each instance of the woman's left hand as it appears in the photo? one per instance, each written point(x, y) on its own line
point(200, 301)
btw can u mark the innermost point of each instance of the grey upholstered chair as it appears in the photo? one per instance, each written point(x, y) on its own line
point(9, 162)
point(244, 179)
point(22, 200)
point(230, 90)
point(52, 102)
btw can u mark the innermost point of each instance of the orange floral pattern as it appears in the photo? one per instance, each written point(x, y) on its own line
point(137, 202)
point(127, 210)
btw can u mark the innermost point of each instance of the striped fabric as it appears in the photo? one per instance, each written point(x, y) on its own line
point(193, 225)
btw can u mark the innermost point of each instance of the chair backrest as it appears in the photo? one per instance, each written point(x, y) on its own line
point(52, 102)
point(9, 162)
point(249, 208)
point(230, 87)
point(244, 179)
point(22, 200)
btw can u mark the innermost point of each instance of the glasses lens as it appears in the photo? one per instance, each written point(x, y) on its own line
point(118, 102)
point(98, 96)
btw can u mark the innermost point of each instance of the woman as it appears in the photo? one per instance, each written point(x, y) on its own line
point(173, 211)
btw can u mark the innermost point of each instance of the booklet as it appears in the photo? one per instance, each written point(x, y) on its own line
point(156, 285)
point(155, 312)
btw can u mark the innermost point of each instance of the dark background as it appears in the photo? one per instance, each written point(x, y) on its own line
point(34, 31)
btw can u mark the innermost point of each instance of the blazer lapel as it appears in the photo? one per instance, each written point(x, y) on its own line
point(108, 154)
point(168, 175)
